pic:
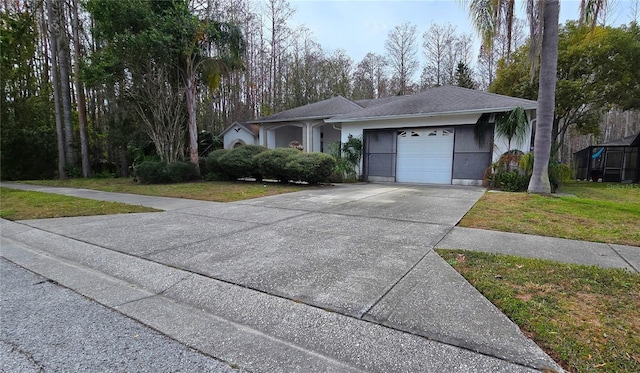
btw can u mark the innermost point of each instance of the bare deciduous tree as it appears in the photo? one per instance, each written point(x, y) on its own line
point(161, 109)
point(402, 55)
point(370, 77)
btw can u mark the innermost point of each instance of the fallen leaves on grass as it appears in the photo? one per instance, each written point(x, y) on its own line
point(586, 318)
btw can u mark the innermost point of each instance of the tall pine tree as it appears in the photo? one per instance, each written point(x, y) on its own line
point(463, 76)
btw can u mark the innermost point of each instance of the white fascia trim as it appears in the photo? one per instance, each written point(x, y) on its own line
point(304, 119)
point(424, 115)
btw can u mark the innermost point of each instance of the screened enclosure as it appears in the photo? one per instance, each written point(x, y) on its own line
point(615, 161)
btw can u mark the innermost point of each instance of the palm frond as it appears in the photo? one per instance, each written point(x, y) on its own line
point(484, 18)
point(590, 11)
point(513, 125)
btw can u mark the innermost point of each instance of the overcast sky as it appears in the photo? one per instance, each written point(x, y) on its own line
point(361, 26)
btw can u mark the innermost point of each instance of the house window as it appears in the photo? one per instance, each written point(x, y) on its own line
point(415, 134)
point(433, 133)
point(402, 133)
point(447, 132)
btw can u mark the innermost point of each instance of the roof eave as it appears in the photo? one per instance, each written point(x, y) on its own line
point(302, 119)
point(426, 115)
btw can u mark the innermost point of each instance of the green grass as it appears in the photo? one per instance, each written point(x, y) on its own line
point(586, 318)
point(206, 191)
point(600, 212)
point(22, 205)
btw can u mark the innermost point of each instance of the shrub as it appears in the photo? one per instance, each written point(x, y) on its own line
point(161, 172)
point(238, 162)
point(271, 164)
point(506, 174)
point(511, 181)
point(180, 172)
point(213, 170)
point(311, 167)
point(152, 173)
point(558, 172)
point(347, 157)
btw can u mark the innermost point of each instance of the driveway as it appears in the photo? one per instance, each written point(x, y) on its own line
point(359, 251)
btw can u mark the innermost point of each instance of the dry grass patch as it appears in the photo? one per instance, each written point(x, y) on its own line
point(221, 191)
point(586, 318)
point(23, 205)
point(602, 213)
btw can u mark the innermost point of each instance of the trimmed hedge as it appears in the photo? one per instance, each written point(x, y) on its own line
point(272, 164)
point(313, 168)
point(213, 168)
point(282, 164)
point(238, 162)
point(161, 172)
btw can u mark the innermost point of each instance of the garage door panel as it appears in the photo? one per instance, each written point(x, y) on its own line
point(425, 156)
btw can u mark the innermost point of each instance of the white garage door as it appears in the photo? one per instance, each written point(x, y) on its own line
point(425, 155)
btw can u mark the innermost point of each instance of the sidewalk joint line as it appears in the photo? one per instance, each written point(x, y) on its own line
point(623, 258)
point(363, 314)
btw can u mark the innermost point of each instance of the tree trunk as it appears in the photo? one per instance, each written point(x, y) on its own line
point(56, 90)
point(191, 110)
point(82, 106)
point(65, 87)
point(539, 183)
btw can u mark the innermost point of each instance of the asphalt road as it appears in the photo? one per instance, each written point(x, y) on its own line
point(48, 328)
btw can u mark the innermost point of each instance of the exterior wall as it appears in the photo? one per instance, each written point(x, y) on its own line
point(356, 128)
point(466, 182)
point(231, 137)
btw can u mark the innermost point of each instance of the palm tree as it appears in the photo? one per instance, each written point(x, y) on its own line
point(490, 17)
point(214, 49)
point(512, 125)
point(539, 182)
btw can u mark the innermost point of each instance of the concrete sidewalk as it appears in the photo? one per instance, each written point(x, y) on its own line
point(550, 248)
point(524, 245)
point(342, 278)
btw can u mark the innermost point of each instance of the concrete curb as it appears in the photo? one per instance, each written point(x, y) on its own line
point(253, 330)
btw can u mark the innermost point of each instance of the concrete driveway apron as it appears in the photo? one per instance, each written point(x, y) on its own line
point(363, 251)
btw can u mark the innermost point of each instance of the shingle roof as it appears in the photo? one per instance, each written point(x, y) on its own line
point(318, 110)
point(377, 101)
point(435, 101)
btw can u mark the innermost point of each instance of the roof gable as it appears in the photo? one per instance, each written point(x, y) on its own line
point(252, 129)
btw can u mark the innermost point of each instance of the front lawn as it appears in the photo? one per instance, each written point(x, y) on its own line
point(586, 318)
point(216, 191)
point(599, 212)
point(22, 205)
